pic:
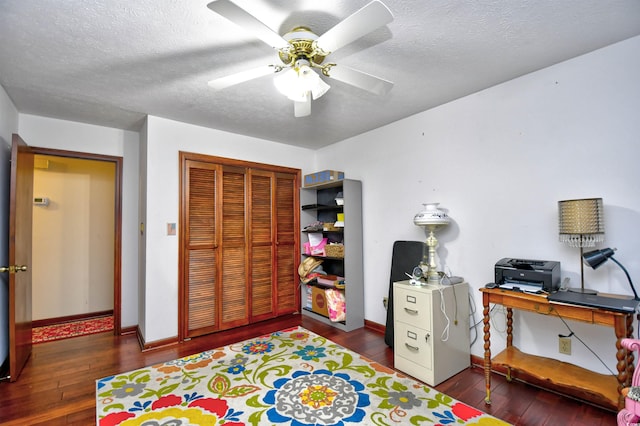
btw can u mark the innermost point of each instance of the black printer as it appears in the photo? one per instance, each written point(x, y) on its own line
point(543, 274)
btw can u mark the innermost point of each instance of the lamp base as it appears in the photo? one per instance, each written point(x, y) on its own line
point(582, 290)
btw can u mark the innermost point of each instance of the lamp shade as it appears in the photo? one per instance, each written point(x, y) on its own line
point(297, 82)
point(581, 222)
point(431, 215)
point(596, 258)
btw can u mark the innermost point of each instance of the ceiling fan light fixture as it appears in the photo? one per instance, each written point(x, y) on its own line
point(300, 50)
point(300, 80)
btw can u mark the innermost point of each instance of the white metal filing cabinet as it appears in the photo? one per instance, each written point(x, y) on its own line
point(431, 338)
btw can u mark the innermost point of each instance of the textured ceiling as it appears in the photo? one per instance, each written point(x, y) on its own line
point(111, 62)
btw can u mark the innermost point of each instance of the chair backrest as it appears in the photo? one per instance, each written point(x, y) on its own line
point(633, 345)
point(630, 414)
point(405, 256)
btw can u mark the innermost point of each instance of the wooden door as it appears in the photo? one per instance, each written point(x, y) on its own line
point(200, 249)
point(232, 285)
point(239, 245)
point(287, 229)
point(262, 245)
point(19, 268)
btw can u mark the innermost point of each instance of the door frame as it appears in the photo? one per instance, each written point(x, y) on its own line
point(117, 231)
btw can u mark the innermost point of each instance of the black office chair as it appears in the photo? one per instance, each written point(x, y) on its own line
point(406, 256)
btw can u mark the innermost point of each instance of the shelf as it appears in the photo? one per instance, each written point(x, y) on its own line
point(323, 257)
point(600, 389)
point(330, 184)
point(317, 207)
point(315, 283)
point(310, 312)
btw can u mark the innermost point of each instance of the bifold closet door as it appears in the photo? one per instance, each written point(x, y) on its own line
point(287, 240)
point(273, 251)
point(262, 245)
point(200, 248)
point(240, 245)
point(232, 286)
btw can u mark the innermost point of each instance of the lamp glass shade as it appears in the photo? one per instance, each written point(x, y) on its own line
point(596, 258)
point(297, 82)
point(581, 222)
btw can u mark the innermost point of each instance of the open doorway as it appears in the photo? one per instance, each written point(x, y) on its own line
point(76, 236)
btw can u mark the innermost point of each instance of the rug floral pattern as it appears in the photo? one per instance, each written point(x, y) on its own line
point(292, 377)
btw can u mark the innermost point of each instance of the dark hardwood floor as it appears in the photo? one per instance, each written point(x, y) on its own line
point(57, 386)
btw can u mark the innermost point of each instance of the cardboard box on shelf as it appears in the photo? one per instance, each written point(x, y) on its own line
point(319, 301)
point(325, 176)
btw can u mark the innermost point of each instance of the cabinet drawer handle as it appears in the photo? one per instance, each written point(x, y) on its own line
point(426, 337)
point(411, 311)
point(413, 348)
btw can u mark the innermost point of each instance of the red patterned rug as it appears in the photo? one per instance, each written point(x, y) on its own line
point(72, 329)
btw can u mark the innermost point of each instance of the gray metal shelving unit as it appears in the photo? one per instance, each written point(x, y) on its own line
point(320, 204)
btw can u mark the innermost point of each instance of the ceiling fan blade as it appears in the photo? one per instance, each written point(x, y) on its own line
point(241, 77)
point(302, 109)
point(244, 19)
point(360, 79)
point(368, 18)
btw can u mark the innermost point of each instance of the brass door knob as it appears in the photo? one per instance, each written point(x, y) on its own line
point(13, 268)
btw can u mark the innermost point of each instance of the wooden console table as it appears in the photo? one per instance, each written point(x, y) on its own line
point(599, 389)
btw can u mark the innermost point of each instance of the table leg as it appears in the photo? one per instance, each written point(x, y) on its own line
point(509, 338)
point(509, 327)
point(487, 348)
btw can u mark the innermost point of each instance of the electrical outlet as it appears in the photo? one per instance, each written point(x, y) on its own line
point(385, 302)
point(564, 345)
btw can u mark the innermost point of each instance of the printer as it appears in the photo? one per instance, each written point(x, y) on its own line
point(540, 274)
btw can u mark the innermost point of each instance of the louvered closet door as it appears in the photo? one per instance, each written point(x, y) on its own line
point(240, 245)
point(233, 293)
point(287, 251)
point(200, 248)
point(262, 247)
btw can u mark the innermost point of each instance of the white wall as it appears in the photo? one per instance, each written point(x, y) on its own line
point(8, 126)
point(66, 135)
point(165, 138)
point(499, 160)
point(73, 244)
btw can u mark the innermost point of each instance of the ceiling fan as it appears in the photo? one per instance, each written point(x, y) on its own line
point(301, 52)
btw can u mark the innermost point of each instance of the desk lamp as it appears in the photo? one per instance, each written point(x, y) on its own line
point(596, 258)
point(430, 219)
point(581, 225)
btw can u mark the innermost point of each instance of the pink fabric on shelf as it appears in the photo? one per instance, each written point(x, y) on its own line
point(336, 305)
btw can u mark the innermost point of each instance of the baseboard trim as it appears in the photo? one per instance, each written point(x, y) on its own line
point(128, 330)
point(70, 318)
point(155, 344)
point(375, 326)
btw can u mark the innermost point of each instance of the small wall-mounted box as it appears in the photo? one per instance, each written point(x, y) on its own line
point(41, 201)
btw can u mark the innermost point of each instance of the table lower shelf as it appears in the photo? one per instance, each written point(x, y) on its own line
point(599, 389)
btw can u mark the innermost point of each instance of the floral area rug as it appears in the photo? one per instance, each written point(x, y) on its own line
point(291, 377)
point(48, 333)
